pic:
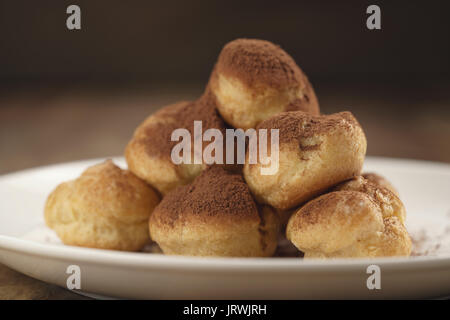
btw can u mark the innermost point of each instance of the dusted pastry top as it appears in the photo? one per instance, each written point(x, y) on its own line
point(216, 192)
point(259, 62)
point(296, 125)
point(156, 131)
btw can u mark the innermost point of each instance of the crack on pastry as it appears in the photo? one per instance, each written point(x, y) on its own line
point(312, 147)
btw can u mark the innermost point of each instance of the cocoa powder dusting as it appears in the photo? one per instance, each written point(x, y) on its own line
point(312, 210)
point(157, 135)
point(256, 61)
point(215, 192)
point(297, 125)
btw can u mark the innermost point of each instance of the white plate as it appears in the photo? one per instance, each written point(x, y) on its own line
point(27, 246)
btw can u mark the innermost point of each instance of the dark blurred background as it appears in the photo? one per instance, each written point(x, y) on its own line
point(67, 95)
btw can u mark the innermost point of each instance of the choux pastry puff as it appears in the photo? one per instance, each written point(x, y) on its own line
point(105, 208)
point(256, 79)
point(215, 215)
point(148, 154)
point(315, 153)
point(357, 219)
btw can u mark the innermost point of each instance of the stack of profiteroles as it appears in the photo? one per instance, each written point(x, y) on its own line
point(317, 197)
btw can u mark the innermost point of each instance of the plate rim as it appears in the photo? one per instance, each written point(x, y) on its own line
point(141, 260)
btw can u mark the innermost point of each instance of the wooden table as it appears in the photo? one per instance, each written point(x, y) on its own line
point(44, 124)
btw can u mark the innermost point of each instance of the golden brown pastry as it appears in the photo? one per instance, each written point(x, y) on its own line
point(347, 224)
point(256, 79)
point(106, 208)
point(148, 154)
point(315, 153)
point(214, 216)
point(380, 181)
point(388, 201)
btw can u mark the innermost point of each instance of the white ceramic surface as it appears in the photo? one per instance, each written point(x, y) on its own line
point(28, 246)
